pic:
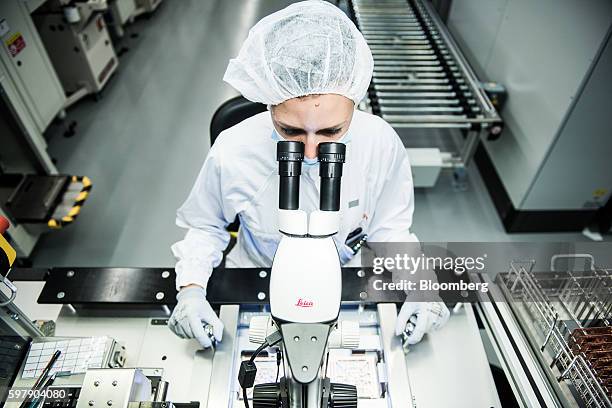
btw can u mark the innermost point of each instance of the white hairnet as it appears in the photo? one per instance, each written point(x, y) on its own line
point(310, 47)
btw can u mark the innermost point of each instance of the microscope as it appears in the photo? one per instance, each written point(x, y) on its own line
point(305, 292)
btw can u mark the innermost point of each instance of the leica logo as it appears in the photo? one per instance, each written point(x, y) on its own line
point(304, 303)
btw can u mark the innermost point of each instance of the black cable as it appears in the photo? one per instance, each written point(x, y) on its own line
point(284, 372)
point(251, 360)
point(245, 398)
point(259, 350)
point(275, 338)
point(279, 356)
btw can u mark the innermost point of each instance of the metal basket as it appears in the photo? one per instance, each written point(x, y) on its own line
point(557, 304)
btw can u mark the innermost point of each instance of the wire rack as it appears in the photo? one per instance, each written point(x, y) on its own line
point(562, 308)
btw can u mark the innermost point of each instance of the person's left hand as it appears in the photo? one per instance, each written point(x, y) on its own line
point(430, 316)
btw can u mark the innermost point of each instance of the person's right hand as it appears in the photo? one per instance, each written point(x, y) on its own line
point(430, 316)
point(191, 314)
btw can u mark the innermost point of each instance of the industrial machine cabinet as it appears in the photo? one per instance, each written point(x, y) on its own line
point(120, 13)
point(24, 62)
point(82, 52)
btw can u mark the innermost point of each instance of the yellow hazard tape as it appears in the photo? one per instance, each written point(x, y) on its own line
point(74, 211)
point(76, 208)
point(10, 253)
point(82, 195)
point(53, 224)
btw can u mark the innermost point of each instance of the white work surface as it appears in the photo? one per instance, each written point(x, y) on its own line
point(27, 295)
point(447, 368)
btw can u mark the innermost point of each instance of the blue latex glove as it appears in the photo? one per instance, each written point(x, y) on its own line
point(191, 314)
point(430, 316)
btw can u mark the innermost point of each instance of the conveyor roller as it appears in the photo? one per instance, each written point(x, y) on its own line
point(421, 79)
point(419, 75)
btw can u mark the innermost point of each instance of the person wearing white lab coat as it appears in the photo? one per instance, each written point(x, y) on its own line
point(311, 66)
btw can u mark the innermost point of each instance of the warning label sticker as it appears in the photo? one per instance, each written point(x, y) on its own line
point(15, 44)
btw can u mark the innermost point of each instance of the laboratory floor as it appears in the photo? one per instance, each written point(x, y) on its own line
point(143, 144)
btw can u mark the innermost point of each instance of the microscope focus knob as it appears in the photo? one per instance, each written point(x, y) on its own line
point(346, 336)
point(260, 328)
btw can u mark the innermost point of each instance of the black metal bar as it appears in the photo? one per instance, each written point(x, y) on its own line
point(140, 288)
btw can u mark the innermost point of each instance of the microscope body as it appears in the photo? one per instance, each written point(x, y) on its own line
point(306, 280)
point(306, 289)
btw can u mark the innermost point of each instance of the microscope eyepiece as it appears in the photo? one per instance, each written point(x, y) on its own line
point(289, 156)
point(331, 152)
point(331, 157)
point(289, 151)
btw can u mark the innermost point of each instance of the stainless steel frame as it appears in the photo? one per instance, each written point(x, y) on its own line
point(526, 377)
point(16, 320)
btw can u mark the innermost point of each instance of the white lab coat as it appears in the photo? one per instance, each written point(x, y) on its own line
point(240, 177)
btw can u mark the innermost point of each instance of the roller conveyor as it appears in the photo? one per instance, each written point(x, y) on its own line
point(421, 79)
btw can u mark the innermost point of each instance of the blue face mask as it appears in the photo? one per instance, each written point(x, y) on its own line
point(309, 162)
point(346, 138)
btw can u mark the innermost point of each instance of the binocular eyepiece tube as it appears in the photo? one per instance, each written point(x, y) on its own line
point(331, 158)
point(290, 155)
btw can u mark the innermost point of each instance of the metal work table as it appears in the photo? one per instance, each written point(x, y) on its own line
point(447, 367)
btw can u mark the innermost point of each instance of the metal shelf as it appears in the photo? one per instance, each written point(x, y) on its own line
point(554, 308)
